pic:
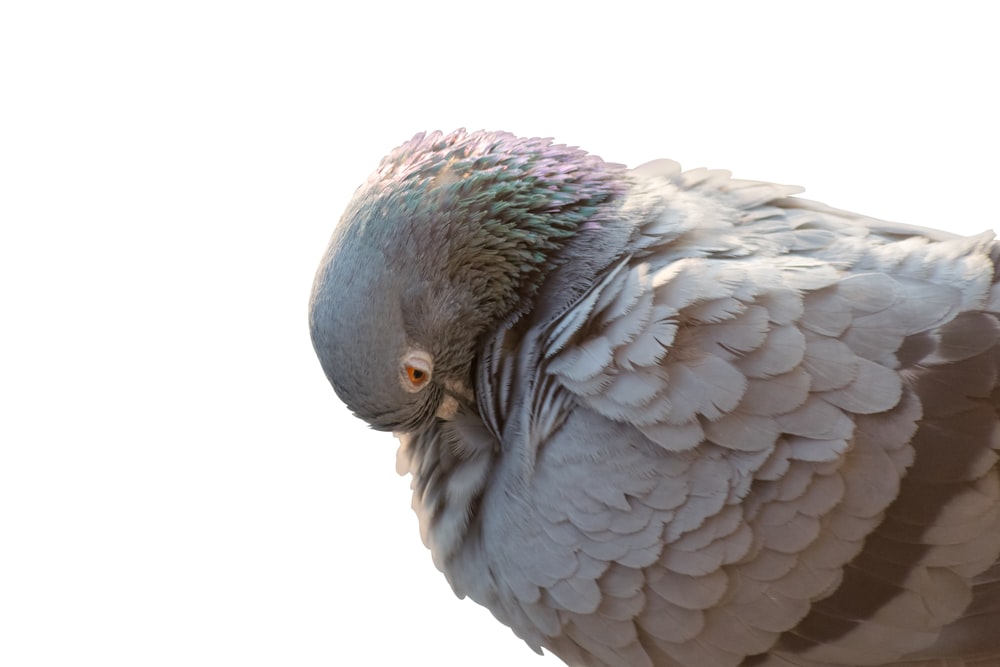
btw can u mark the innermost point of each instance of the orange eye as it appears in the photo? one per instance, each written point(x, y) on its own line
point(416, 370)
point(417, 376)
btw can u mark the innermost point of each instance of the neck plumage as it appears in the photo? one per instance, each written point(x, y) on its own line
point(500, 213)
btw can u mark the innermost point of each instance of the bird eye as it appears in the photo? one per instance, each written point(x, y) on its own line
point(416, 370)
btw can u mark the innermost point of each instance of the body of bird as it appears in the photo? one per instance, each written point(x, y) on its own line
point(658, 418)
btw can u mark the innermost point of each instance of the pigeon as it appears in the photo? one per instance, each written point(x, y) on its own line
point(657, 417)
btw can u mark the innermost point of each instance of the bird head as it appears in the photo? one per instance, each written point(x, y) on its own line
point(452, 236)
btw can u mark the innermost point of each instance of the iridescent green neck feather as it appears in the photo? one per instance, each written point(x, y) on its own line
point(488, 211)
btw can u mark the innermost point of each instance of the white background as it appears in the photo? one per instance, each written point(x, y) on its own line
point(178, 483)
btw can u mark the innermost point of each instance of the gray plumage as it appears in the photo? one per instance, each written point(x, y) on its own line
point(659, 418)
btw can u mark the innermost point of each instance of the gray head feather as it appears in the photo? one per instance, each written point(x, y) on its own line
point(452, 235)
